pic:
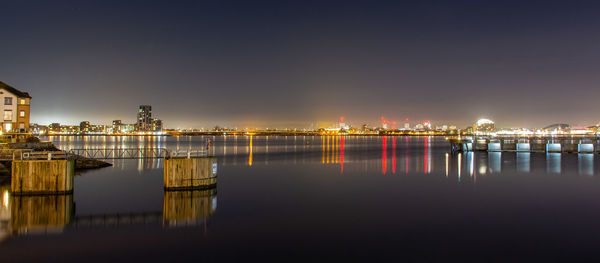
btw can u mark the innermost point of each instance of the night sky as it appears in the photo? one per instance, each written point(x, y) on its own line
point(303, 63)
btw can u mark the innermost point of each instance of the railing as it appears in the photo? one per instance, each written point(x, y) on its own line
point(98, 153)
point(45, 155)
point(7, 154)
point(133, 153)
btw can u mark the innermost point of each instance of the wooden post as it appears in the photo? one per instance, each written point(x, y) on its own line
point(190, 173)
point(42, 176)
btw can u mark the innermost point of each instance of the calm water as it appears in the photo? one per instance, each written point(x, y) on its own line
point(310, 198)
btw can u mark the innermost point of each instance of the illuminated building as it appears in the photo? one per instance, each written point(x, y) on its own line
point(427, 125)
point(54, 127)
point(484, 126)
point(84, 127)
point(116, 126)
point(144, 118)
point(15, 108)
point(157, 125)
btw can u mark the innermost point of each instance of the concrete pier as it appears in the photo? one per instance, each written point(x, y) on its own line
point(525, 144)
point(30, 177)
point(190, 173)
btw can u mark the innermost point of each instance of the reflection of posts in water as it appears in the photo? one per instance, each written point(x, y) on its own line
point(553, 164)
point(40, 213)
point(189, 207)
point(495, 162)
point(471, 162)
point(523, 162)
point(585, 163)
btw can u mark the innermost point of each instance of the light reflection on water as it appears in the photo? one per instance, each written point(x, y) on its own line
point(391, 154)
point(267, 181)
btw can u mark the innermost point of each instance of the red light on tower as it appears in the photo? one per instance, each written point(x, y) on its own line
point(342, 119)
point(383, 120)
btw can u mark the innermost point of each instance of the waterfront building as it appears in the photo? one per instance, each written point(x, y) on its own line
point(144, 118)
point(127, 128)
point(427, 125)
point(116, 126)
point(15, 108)
point(84, 127)
point(157, 125)
point(38, 129)
point(54, 127)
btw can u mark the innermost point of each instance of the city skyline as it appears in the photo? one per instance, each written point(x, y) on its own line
point(286, 64)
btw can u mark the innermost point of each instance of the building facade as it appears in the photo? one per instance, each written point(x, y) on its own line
point(116, 126)
point(144, 118)
point(15, 108)
point(157, 125)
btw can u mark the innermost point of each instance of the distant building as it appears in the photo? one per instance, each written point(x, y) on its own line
point(54, 127)
point(144, 118)
point(365, 128)
point(116, 126)
point(39, 129)
point(427, 125)
point(157, 125)
point(97, 129)
point(84, 127)
point(15, 108)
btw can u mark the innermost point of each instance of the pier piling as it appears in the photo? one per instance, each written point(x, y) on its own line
point(190, 173)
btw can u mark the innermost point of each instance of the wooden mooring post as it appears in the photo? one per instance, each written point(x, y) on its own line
point(190, 173)
point(31, 177)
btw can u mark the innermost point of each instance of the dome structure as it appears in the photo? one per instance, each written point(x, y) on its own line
point(484, 126)
point(483, 121)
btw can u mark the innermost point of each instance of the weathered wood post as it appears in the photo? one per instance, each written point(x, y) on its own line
point(190, 173)
point(42, 176)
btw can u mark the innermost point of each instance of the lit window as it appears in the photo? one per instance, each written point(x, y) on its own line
point(22, 101)
point(21, 125)
point(8, 115)
point(22, 114)
point(7, 100)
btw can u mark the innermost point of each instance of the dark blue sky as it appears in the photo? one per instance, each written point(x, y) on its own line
point(297, 63)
